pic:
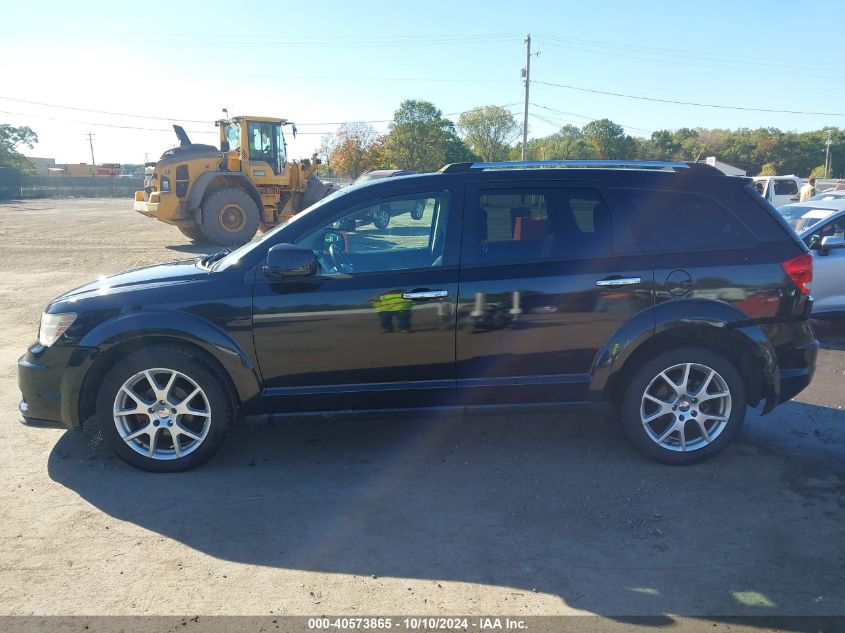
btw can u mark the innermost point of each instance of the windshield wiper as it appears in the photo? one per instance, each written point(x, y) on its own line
point(210, 259)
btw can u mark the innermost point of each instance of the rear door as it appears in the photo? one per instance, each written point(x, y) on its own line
point(543, 285)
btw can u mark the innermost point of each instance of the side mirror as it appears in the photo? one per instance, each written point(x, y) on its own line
point(287, 260)
point(830, 242)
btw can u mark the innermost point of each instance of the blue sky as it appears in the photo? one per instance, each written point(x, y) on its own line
point(343, 61)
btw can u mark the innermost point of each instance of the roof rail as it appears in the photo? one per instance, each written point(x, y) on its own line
point(595, 164)
point(454, 168)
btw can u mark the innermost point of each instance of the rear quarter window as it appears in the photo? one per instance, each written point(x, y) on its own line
point(670, 221)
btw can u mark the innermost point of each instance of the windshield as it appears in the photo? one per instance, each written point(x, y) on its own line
point(235, 256)
point(809, 220)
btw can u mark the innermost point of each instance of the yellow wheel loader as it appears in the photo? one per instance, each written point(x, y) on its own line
point(224, 195)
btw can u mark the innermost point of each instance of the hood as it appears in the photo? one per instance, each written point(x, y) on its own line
point(157, 275)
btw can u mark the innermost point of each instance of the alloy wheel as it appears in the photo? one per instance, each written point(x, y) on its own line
point(162, 414)
point(686, 407)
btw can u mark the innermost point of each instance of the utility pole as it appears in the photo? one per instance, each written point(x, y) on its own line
point(827, 164)
point(91, 145)
point(526, 72)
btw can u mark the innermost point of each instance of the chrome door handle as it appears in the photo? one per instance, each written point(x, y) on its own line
point(425, 294)
point(625, 281)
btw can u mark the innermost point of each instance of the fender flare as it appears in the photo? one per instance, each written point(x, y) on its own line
point(162, 325)
point(675, 314)
point(202, 183)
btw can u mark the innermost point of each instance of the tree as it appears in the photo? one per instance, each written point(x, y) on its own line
point(10, 139)
point(489, 131)
point(608, 139)
point(351, 153)
point(818, 172)
point(768, 169)
point(421, 139)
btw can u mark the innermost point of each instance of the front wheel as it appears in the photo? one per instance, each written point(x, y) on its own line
point(162, 410)
point(684, 405)
point(230, 217)
point(381, 218)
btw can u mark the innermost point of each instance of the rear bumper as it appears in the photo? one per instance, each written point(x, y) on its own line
point(796, 349)
point(164, 206)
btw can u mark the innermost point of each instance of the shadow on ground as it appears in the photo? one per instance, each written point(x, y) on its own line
point(557, 505)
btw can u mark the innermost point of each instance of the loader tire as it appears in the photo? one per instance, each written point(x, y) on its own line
point(230, 217)
point(193, 233)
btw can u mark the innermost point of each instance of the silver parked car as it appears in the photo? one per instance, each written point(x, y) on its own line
point(802, 215)
point(826, 240)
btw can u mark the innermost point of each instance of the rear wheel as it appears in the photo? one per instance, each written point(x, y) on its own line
point(684, 405)
point(161, 410)
point(230, 217)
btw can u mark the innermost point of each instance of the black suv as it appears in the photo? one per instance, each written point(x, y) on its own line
point(670, 291)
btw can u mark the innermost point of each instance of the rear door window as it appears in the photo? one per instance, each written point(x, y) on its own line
point(667, 221)
point(536, 223)
point(785, 188)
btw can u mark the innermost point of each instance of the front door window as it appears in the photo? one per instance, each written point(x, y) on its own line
point(400, 233)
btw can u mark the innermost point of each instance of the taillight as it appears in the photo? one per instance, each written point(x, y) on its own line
point(800, 271)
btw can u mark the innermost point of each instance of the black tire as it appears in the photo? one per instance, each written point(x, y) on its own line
point(230, 217)
point(632, 419)
point(381, 217)
point(220, 408)
point(193, 233)
point(418, 211)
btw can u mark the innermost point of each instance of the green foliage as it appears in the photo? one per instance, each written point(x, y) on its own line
point(421, 139)
point(10, 139)
point(608, 140)
point(768, 169)
point(818, 172)
point(489, 131)
point(354, 150)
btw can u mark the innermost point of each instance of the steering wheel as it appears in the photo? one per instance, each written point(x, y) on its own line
point(340, 260)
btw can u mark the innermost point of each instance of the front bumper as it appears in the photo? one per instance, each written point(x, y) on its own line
point(50, 382)
point(40, 387)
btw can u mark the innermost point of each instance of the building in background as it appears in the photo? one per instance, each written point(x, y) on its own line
point(729, 170)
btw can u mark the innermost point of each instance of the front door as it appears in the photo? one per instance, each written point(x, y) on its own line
point(828, 268)
point(543, 286)
point(375, 328)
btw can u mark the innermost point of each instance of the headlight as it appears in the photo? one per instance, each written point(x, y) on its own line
point(53, 326)
point(165, 184)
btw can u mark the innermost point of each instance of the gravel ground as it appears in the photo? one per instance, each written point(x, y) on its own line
point(476, 515)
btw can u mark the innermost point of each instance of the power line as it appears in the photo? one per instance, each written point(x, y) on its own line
point(151, 129)
point(589, 118)
point(677, 52)
point(92, 111)
point(156, 118)
point(687, 103)
point(737, 66)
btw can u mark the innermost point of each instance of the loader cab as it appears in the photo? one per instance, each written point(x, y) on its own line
point(257, 140)
point(266, 143)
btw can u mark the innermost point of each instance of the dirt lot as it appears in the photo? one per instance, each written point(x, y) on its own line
point(480, 515)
